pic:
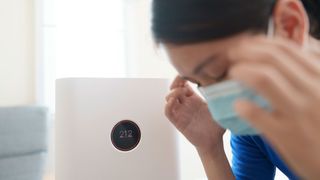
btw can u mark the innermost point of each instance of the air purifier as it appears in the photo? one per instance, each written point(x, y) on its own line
point(114, 129)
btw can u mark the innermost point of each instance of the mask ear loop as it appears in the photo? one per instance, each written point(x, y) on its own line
point(270, 33)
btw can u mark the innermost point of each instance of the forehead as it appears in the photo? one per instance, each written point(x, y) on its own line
point(186, 57)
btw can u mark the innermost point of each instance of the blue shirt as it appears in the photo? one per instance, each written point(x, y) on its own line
point(254, 158)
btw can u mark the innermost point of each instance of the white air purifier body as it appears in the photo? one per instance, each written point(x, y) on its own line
point(114, 129)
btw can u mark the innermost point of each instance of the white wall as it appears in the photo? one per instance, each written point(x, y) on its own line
point(17, 58)
point(144, 58)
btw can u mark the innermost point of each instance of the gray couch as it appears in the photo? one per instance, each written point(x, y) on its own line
point(23, 142)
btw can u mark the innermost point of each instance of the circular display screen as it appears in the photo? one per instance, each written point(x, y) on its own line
point(125, 135)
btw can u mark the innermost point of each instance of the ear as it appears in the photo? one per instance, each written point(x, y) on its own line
point(291, 21)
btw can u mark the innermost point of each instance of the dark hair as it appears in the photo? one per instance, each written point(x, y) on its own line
point(192, 21)
point(313, 9)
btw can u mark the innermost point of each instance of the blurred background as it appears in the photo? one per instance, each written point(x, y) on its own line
point(42, 40)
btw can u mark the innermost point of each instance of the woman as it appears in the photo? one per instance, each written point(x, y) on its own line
point(207, 40)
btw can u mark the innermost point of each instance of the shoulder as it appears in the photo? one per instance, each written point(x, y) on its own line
point(246, 141)
point(249, 158)
point(244, 147)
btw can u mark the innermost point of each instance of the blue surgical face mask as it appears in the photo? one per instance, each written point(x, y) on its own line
point(221, 98)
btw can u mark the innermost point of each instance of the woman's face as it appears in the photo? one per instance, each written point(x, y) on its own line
point(207, 63)
point(204, 63)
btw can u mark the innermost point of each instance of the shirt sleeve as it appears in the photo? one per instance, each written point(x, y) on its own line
point(249, 161)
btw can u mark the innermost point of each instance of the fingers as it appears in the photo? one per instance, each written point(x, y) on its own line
point(170, 109)
point(180, 90)
point(178, 94)
point(307, 60)
point(276, 46)
point(288, 61)
point(257, 117)
point(269, 84)
point(178, 83)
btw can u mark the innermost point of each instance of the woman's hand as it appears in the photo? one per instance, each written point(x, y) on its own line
point(190, 115)
point(289, 77)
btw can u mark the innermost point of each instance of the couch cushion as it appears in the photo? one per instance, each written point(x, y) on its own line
point(23, 130)
point(28, 167)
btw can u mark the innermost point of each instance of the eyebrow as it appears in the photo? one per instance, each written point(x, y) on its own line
point(204, 63)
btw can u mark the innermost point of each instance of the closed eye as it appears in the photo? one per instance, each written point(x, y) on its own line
point(222, 76)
